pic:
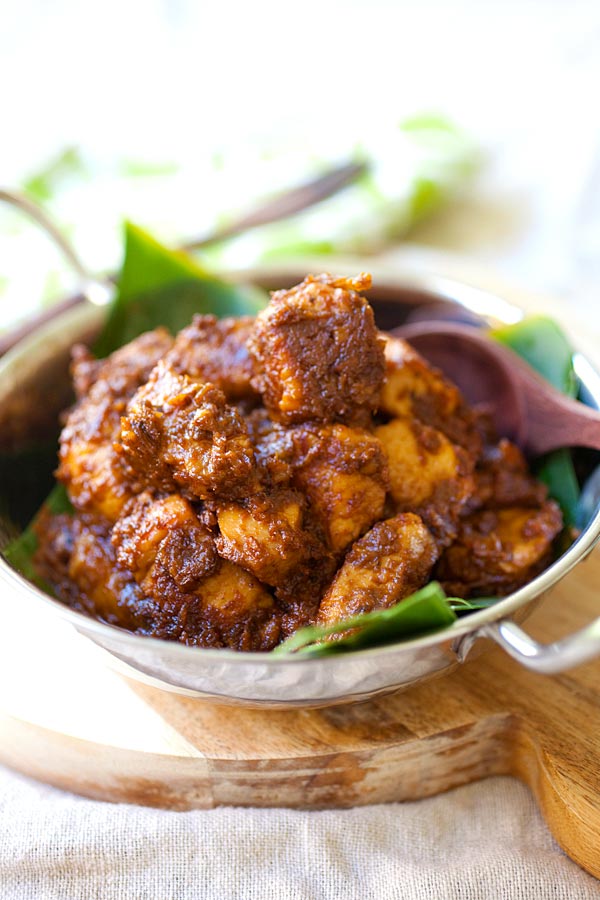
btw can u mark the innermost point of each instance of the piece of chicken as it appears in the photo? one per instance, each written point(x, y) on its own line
point(389, 563)
point(214, 350)
point(173, 558)
point(342, 471)
point(92, 471)
point(502, 478)
point(164, 538)
point(84, 369)
point(273, 449)
point(428, 474)
point(344, 474)
point(266, 534)
point(317, 352)
point(75, 556)
point(413, 389)
point(498, 551)
point(181, 435)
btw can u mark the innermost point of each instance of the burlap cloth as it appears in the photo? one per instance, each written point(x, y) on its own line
point(481, 842)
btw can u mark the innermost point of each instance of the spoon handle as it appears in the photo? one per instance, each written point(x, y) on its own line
point(285, 204)
point(555, 421)
point(39, 215)
point(92, 287)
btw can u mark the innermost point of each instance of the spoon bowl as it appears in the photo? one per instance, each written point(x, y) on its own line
point(524, 407)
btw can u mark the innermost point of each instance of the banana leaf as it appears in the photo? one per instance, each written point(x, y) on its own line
point(424, 611)
point(159, 286)
point(542, 343)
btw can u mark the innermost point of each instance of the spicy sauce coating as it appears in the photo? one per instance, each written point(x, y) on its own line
point(137, 577)
point(429, 474)
point(90, 468)
point(255, 476)
point(178, 433)
point(502, 478)
point(268, 536)
point(75, 555)
point(343, 472)
point(164, 539)
point(499, 550)
point(318, 354)
point(390, 562)
point(173, 557)
point(215, 350)
point(415, 389)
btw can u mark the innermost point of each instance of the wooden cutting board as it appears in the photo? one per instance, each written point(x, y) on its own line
point(68, 720)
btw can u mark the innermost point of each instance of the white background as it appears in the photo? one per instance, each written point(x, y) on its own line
point(182, 80)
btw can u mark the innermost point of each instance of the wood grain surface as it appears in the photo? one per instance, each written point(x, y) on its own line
point(68, 720)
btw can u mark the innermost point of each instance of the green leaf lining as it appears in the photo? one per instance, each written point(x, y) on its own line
point(159, 286)
point(424, 611)
point(541, 342)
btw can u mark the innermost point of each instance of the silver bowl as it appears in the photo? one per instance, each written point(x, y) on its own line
point(34, 388)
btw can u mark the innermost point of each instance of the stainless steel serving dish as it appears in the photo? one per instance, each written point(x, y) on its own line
point(33, 390)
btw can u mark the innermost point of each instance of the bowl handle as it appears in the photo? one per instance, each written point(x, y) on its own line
point(547, 659)
point(92, 288)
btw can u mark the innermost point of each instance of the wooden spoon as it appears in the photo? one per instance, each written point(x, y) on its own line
point(525, 408)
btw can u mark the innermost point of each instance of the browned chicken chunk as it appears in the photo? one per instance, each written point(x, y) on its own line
point(497, 551)
point(502, 478)
point(91, 470)
point(164, 538)
point(214, 350)
point(173, 558)
point(85, 369)
point(413, 389)
point(428, 474)
point(266, 535)
point(76, 557)
point(317, 351)
point(178, 434)
point(344, 474)
point(390, 562)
